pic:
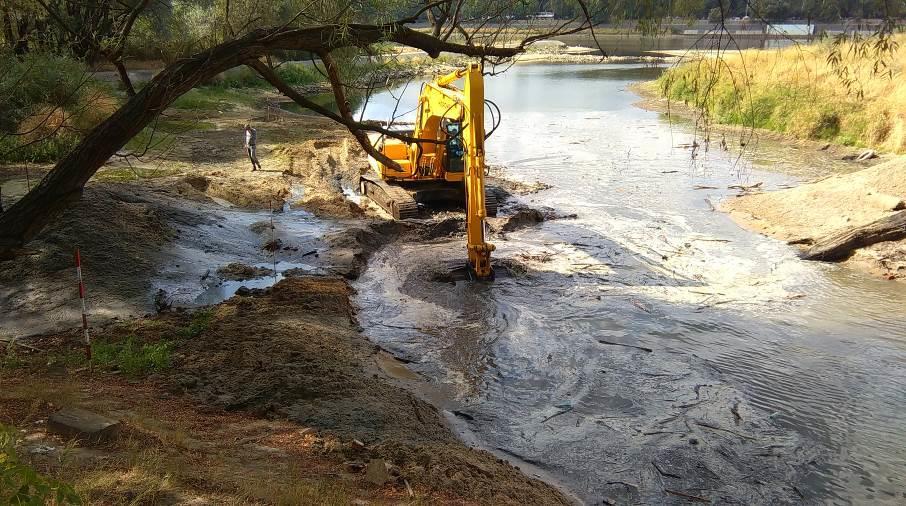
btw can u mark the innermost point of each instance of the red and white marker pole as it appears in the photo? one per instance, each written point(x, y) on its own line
point(78, 262)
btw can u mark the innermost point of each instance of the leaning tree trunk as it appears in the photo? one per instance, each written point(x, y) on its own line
point(65, 181)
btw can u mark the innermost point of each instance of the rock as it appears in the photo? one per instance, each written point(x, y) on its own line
point(377, 471)
point(825, 147)
point(83, 425)
point(236, 271)
point(162, 301)
point(354, 466)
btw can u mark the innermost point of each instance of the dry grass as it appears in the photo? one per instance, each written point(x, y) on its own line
point(172, 451)
point(797, 90)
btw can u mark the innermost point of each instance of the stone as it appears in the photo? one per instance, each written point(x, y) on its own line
point(83, 425)
point(377, 472)
point(354, 466)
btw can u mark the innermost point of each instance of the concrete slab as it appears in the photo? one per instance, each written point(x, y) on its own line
point(83, 425)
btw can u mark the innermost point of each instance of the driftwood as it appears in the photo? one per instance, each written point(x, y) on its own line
point(611, 343)
point(840, 246)
point(745, 188)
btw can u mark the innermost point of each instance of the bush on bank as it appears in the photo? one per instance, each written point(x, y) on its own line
point(46, 101)
point(797, 91)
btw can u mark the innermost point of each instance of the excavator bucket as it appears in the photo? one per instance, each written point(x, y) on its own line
point(460, 271)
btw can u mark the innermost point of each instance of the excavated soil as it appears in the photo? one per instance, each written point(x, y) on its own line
point(811, 211)
point(296, 354)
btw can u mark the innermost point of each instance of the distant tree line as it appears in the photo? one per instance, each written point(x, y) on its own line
point(110, 30)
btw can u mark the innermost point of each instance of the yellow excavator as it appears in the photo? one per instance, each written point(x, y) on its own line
point(447, 163)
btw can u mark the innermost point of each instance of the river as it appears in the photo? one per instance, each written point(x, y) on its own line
point(749, 376)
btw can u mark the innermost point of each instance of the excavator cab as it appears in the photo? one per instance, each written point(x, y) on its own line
point(446, 165)
point(454, 150)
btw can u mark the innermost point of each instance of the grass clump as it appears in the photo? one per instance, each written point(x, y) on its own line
point(201, 320)
point(21, 484)
point(798, 91)
point(10, 358)
point(131, 357)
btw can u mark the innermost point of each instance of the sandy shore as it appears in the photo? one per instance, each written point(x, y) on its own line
point(834, 202)
point(811, 212)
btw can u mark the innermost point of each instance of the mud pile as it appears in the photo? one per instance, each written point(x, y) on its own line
point(325, 167)
point(240, 189)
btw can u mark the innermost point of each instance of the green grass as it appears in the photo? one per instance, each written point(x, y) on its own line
point(211, 98)
point(10, 358)
point(241, 87)
point(159, 136)
point(14, 149)
point(201, 320)
point(132, 358)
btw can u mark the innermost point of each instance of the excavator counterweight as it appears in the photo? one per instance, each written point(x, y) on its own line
point(446, 166)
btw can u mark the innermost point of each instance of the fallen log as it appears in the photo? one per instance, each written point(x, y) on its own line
point(840, 246)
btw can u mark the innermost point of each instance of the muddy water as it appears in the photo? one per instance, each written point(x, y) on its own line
point(654, 348)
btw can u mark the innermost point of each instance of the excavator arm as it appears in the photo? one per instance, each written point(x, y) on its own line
point(451, 123)
point(476, 213)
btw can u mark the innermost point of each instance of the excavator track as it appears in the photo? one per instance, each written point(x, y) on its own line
point(393, 199)
point(490, 201)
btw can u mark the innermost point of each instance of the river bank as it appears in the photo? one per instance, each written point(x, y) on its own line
point(844, 94)
point(814, 214)
point(844, 189)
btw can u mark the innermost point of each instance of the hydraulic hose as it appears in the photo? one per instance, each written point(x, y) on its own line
point(495, 118)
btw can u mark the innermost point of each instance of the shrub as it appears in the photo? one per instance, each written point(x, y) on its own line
point(45, 100)
point(20, 484)
point(201, 320)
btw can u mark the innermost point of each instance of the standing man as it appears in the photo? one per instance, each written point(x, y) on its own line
point(251, 139)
